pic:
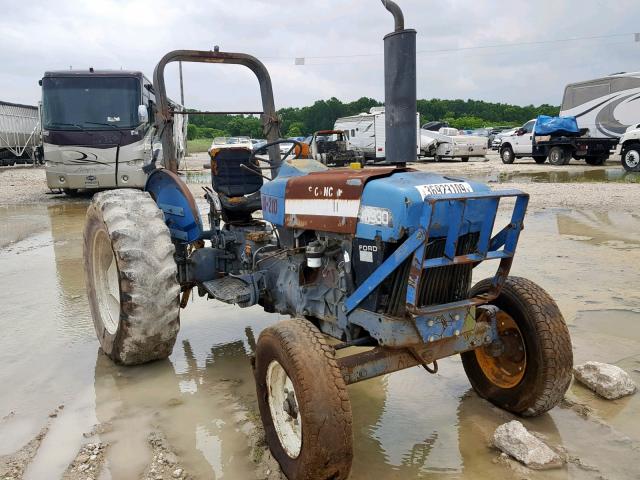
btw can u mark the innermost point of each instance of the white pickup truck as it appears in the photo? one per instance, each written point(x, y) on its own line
point(629, 149)
point(558, 149)
point(448, 143)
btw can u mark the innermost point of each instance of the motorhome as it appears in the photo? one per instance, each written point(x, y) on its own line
point(98, 129)
point(365, 132)
point(606, 106)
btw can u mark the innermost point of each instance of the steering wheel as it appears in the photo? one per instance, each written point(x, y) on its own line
point(277, 142)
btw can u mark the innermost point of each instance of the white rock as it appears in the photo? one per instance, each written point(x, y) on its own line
point(177, 473)
point(606, 380)
point(93, 457)
point(514, 439)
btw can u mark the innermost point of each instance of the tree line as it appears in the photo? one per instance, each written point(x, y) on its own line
point(302, 121)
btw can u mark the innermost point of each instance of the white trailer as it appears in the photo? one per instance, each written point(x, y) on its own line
point(447, 143)
point(365, 132)
point(20, 136)
point(606, 106)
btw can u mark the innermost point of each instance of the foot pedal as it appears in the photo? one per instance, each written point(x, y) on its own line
point(229, 290)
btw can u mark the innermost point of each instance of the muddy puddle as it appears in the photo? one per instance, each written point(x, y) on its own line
point(617, 175)
point(202, 399)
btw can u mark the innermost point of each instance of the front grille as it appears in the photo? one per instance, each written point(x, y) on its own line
point(450, 283)
point(438, 285)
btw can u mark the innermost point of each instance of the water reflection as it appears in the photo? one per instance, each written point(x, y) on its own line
point(561, 176)
point(203, 422)
point(615, 229)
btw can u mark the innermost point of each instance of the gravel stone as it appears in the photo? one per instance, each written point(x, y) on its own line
point(608, 381)
point(514, 439)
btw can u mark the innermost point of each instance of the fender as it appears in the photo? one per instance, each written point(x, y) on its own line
point(175, 200)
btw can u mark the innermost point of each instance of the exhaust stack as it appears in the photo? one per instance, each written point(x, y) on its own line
point(400, 90)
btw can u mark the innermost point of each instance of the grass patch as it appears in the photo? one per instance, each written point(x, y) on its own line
point(198, 145)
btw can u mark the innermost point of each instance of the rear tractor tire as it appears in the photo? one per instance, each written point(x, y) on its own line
point(532, 372)
point(303, 402)
point(131, 277)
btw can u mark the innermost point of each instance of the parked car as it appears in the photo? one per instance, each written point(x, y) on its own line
point(497, 139)
point(230, 142)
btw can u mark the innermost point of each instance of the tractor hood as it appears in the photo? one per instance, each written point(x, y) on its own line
point(392, 207)
point(374, 202)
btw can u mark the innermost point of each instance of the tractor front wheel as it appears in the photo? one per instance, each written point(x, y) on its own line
point(303, 402)
point(131, 277)
point(531, 372)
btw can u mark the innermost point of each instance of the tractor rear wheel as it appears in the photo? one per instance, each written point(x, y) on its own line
point(303, 402)
point(533, 371)
point(131, 277)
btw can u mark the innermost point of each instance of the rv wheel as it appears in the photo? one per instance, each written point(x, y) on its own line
point(303, 402)
point(631, 157)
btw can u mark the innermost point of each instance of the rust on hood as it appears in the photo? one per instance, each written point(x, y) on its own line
point(329, 200)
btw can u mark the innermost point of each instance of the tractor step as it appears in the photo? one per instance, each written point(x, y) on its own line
point(228, 289)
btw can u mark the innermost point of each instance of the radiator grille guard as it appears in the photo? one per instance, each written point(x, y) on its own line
point(433, 275)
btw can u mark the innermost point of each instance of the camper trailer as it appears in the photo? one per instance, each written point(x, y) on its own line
point(606, 106)
point(98, 129)
point(365, 132)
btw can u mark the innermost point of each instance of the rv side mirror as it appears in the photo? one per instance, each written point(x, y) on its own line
point(143, 114)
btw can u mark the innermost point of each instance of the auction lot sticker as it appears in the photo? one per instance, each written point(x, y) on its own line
point(443, 188)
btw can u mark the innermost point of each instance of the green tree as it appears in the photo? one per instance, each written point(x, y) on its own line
point(192, 131)
point(295, 130)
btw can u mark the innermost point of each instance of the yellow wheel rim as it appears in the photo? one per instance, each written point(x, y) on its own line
point(505, 370)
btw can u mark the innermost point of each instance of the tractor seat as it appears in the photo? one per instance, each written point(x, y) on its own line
point(238, 189)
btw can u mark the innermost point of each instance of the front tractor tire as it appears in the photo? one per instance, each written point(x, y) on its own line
point(131, 277)
point(303, 402)
point(532, 371)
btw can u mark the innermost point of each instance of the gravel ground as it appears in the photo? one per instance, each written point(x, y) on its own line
point(26, 185)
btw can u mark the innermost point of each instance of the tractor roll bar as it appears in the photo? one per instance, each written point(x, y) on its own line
point(164, 116)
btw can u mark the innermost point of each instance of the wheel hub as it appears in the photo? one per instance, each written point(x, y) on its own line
point(284, 409)
point(106, 281)
point(504, 366)
point(632, 158)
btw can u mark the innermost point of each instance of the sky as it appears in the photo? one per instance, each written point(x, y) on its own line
point(466, 47)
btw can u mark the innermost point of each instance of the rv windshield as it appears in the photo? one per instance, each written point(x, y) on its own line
point(90, 103)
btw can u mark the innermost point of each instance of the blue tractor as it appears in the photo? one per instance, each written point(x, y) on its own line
point(379, 257)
